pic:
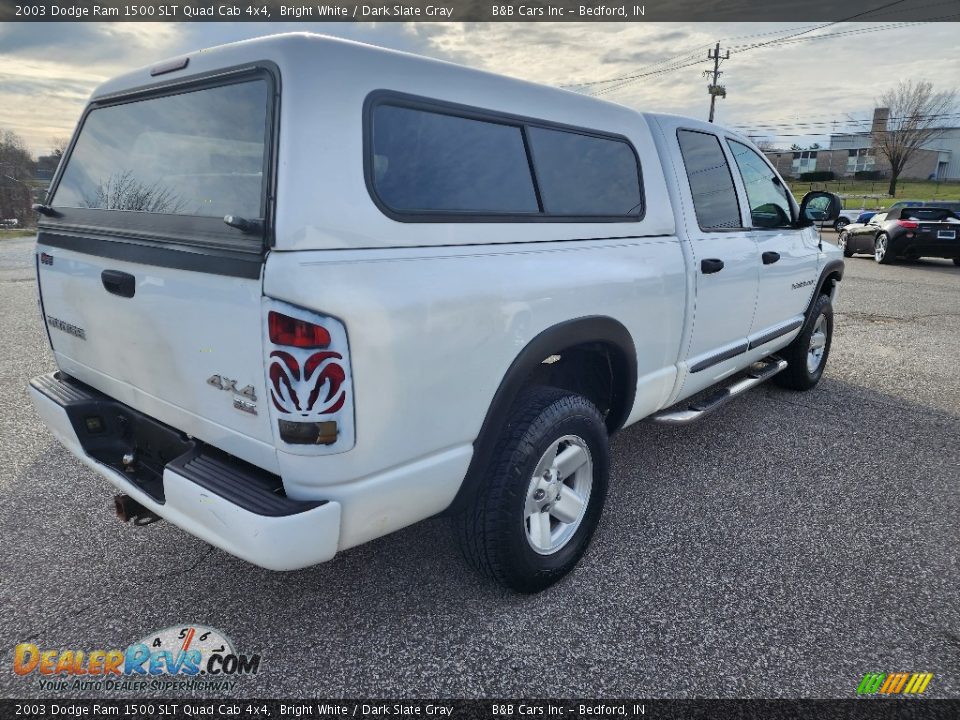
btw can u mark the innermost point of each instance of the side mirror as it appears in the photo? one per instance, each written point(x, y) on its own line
point(819, 206)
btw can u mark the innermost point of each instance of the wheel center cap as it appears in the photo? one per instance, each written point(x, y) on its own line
point(553, 489)
point(549, 493)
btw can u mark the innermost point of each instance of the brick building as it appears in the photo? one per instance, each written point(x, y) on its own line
point(850, 153)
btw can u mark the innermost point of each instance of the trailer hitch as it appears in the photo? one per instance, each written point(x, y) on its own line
point(129, 509)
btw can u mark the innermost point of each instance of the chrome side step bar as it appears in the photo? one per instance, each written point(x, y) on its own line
point(758, 373)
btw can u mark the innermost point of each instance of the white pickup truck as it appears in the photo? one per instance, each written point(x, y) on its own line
point(303, 292)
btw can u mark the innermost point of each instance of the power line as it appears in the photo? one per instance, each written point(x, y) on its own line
point(697, 50)
point(645, 67)
point(627, 80)
point(913, 9)
point(859, 31)
point(832, 119)
point(608, 90)
point(769, 32)
point(630, 79)
point(762, 135)
point(798, 125)
point(821, 27)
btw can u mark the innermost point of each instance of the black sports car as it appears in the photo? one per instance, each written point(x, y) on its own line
point(911, 232)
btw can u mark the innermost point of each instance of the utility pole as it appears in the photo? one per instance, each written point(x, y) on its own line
point(714, 88)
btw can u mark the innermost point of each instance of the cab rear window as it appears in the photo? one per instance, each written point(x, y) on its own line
point(199, 153)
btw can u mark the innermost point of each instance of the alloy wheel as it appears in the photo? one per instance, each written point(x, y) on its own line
point(818, 344)
point(558, 495)
point(880, 248)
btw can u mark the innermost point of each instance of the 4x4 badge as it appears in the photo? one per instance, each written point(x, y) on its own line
point(224, 383)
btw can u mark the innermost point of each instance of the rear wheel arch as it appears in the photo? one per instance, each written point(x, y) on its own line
point(593, 356)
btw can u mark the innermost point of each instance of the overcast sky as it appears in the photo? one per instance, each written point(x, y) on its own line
point(47, 70)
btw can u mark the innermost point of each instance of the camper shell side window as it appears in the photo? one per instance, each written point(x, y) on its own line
point(432, 161)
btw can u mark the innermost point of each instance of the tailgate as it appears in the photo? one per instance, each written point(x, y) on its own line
point(156, 337)
point(149, 295)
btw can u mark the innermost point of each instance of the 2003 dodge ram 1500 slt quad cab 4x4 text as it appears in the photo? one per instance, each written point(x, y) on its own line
point(303, 292)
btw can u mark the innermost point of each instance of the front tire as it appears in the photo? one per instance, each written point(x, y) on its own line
point(881, 250)
point(956, 261)
point(843, 242)
point(807, 355)
point(540, 503)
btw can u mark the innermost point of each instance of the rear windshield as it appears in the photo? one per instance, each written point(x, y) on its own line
point(930, 214)
point(199, 153)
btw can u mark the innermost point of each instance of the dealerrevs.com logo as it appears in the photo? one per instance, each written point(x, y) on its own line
point(179, 657)
point(900, 683)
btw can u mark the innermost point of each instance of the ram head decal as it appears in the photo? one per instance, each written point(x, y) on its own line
point(307, 384)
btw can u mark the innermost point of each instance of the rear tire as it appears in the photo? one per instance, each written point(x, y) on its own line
point(515, 530)
point(881, 250)
point(807, 355)
point(840, 224)
point(956, 261)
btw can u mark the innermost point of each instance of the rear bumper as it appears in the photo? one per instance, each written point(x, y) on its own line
point(221, 501)
point(927, 247)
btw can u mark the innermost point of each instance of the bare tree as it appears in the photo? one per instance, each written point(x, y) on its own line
point(59, 146)
point(15, 159)
point(765, 145)
point(122, 191)
point(915, 112)
point(16, 169)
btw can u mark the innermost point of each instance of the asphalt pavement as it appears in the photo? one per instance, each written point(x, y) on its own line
point(783, 547)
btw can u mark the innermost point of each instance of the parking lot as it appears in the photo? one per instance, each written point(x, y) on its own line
point(783, 547)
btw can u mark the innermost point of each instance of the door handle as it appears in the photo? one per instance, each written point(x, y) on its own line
point(711, 265)
point(770, 257)
point(119, 283)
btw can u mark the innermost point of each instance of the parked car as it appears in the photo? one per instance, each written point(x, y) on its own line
point(901, 204)
point(845, 218)
point(951, 205)
point(898, 206)
point(851, 239)
point(9, 223)
point(912, 232)
point(298, 317)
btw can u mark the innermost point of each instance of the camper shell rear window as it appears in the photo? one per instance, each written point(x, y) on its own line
point(174, 163)
point(431, 161)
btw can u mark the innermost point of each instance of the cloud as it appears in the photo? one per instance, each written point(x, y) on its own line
point(84, 43)
point(47, 70)
point(618, 56)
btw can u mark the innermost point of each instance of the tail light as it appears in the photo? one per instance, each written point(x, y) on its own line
point(309, 433)
point(309, 380)
point(908, 224)
point(293, 332)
